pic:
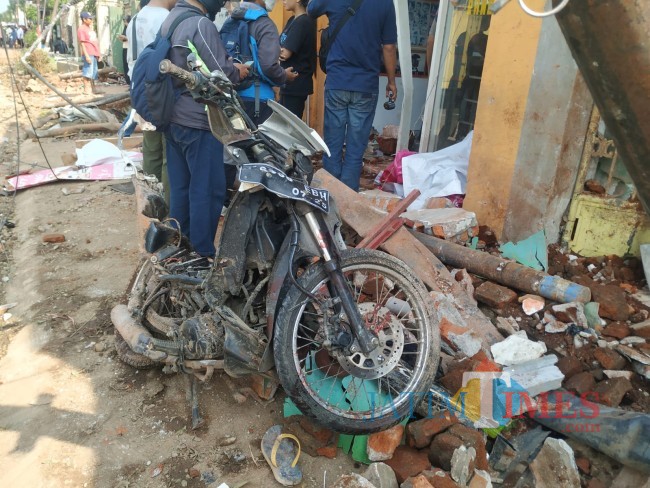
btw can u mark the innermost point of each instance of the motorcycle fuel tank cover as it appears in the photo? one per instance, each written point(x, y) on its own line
point(277, 182)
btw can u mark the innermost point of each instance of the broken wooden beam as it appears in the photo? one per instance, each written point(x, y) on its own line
point(389, 225)
point(75, 129)
point(463, 327)
point(506, 272)
point(78, 74)
point(93, 100)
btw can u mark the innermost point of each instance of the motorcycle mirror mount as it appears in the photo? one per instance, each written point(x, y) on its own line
point(193, 62)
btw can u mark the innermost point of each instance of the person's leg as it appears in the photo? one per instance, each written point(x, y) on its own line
point(361, 113)
point(94, 73)
point(335, 126)
point(125, 66)
point(295, 104)
point(179, 177)
point(207, 189)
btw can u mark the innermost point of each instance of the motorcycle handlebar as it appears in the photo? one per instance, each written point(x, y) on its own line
point(187, 77)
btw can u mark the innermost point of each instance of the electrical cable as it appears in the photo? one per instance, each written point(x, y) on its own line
point(541, 15)
point(16, 89)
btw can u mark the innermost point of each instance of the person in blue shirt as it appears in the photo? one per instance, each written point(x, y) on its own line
point(352, 84)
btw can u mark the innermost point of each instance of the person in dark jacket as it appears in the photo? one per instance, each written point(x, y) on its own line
point(194, 156)
point(298, 51)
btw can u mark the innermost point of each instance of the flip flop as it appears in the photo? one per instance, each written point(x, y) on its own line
point(281, 456)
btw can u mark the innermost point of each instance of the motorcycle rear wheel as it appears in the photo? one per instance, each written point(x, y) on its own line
point(357, 393)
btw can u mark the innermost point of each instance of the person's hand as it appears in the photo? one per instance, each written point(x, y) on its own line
point(391, 87)
point(88, 59)
point(291, 74)
point(243, 70)
point(276, 92)
point(122, 38)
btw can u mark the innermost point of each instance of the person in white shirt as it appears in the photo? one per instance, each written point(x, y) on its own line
point(140, 32)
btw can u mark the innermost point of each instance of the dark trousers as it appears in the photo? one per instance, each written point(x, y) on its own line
point(197, 184)
point(295, 104)
point(153, 158)
point(125, 66)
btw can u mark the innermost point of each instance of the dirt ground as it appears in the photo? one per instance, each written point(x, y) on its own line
point(70, 413)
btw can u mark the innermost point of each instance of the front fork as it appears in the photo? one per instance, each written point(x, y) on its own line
point(366, 339)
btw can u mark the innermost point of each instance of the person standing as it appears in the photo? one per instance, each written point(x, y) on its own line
point(20, 36)
point(194, 156)
point(298, 52)
point(89, 47)
point(140, 32)
point(352, 84)
point(125, 46)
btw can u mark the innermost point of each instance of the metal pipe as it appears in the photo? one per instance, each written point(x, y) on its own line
point(505, 272)
point(610, 44)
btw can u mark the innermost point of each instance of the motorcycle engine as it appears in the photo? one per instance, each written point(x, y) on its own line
point(202, 337)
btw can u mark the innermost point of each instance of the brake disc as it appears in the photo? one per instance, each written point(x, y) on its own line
point(383, 359)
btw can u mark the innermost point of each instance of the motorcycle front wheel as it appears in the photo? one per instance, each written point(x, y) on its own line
point(353, 392)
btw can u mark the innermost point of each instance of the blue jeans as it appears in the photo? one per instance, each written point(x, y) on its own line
point(348, 120)
point(197, 184)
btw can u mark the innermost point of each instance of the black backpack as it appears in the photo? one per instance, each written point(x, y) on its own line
point(152, 93)
point(327, 39)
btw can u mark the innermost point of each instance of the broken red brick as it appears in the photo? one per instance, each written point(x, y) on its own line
point(609, 359)
point(407, 462)
point(439, 478)
point(580, 383)
point(642, 330)
point(321, 434)
point(382, 445)
point(570, 366)
point(438, 202)
point(416, 482)
point(263, 387)
point(495, 296)
point(584, 465)
point(484, 364)
point(472, 438)
point(594, 187)
point(617, 330)
point(53, 238)
point(420, 432)
point(327, 451)
point(442, 449)
point(194, 473)
point(612, 300)
point(611, 392)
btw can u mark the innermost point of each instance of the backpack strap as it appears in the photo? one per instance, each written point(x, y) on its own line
point(349, 13)
point(177, 21)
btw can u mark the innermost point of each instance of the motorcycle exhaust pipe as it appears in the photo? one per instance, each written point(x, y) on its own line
point(136, 336)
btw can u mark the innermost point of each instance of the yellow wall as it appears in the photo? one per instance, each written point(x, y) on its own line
point(509, 62)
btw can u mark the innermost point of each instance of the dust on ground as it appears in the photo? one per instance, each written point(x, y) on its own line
point(70, 413)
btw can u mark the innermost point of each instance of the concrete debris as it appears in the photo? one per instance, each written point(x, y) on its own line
point(631, 340)
point(555, 466)
point(481, 479)
point(507, 326)
point(418, 481)
point(645, 258)
point(631, 478)
point(381, 475)
point(552, 325)
point(439, 478)
point(633, 355)
point(571, 313)
point(76, 191)
point(353, 480)
point(462, 464)
point(381, 200)
point(641, 329)
point(618, 374)
point(531, 304)
point(445, 223)
point(442, 449)
point(517, 349)
point(537, 376)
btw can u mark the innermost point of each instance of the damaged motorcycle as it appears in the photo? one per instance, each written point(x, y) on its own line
point(348, 333)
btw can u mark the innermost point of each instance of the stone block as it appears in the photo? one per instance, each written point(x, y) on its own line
point(420, 433)
point(555, 466)
point(407, 462)
point(618, 374)
point(611, 392)
point(462, 464)
point(382, 445)
point(472, 438)
point(571, 313)
point(381, 475)
point(353, 480)
point(495, 296)
point(537, 376)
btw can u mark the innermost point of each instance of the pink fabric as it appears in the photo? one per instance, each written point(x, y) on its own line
point(393, 174)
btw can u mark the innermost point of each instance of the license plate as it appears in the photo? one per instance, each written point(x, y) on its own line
point(279, 183)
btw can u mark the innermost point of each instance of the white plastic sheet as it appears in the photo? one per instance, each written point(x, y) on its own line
point(437, 174)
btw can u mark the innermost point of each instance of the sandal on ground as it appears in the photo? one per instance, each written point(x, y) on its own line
point(282, 455)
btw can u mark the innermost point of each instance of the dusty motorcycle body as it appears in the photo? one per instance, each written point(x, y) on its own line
point(348, 332)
